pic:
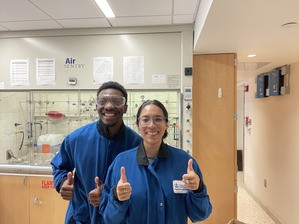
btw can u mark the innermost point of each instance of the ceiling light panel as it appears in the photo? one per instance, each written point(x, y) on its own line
point(105, 8)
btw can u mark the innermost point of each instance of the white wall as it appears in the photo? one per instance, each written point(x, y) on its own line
point(162, 52)
point(272, 147)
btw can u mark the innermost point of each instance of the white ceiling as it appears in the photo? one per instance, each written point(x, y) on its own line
point(252, 27)
point(231, 26)
point(61, 14)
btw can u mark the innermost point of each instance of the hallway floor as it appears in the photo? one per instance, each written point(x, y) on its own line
point(249, 211)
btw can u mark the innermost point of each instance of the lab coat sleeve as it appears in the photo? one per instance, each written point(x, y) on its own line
point(112, 210)
point(61, 164)
point(198, 203)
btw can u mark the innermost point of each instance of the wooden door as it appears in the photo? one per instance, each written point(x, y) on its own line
point(214, 131)
point(14, 199)
point(46, 205)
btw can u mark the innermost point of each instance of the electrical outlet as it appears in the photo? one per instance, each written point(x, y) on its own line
point(265, 183)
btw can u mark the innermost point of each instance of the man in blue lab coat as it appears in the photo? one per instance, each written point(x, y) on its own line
point(80, 167)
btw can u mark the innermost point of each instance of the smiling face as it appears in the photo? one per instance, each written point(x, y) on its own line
point(153, 128)
point(111, 114)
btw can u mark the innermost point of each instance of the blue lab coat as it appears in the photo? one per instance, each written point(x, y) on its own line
point(153, 199)
point(90, 150)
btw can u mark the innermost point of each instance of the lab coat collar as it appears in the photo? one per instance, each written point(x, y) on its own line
point(141, 155)
point(104, 130)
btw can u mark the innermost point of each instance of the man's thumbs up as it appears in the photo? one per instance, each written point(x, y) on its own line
point(67, 188)
point(70, 178)
point(94, 196)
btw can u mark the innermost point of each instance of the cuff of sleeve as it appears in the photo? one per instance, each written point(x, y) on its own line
point(115, 194)
point(200, 187)
point(61, 183)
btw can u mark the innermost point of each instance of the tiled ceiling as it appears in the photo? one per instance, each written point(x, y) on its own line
point(230, 26)
point(17, 15)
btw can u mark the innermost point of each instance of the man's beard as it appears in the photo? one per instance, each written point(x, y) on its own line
point(111, 125)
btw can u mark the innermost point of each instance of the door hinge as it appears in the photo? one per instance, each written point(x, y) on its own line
point(236, 62)
point(235, 117)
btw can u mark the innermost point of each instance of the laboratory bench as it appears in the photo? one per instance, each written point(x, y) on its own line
point(23, 169)
point(28, 196)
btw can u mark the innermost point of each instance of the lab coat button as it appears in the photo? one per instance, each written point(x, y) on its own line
point(161, 204)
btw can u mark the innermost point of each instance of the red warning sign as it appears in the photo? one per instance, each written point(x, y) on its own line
point(47, 184)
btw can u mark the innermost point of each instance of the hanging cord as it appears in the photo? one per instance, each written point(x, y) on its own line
point(23, 135)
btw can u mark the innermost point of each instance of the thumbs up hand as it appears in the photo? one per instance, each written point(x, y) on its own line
point(191, 179)
point(94, 196)
point(67, 188)
point(123, 188)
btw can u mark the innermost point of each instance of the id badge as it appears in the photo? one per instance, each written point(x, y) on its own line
point(179, 187)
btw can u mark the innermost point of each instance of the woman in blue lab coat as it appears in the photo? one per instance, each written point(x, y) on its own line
point(154, 182)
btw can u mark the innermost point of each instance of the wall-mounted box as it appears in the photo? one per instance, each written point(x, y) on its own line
point(285, 72)
point(274, 82)
point(261, 85)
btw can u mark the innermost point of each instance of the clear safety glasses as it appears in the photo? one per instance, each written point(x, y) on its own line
point(114, 100)
point(146, 120)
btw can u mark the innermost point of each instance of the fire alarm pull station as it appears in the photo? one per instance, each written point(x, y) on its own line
point(188, 93)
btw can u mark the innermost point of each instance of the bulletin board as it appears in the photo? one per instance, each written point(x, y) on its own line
point(74, 58)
